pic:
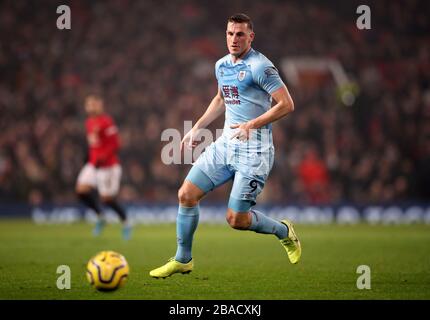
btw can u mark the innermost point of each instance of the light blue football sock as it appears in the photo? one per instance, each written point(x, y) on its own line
point(186, 223)
point(261, 223)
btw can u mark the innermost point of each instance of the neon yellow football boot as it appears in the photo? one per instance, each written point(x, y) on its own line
point(292, 243)
point(172, 267)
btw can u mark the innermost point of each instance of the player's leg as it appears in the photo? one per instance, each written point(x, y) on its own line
point(257, 221)
point(86, 194)
point(85, 185)
point(240, 216)
point(108, 183)
point(207, 173)
point(194, 188)
point(112, 202)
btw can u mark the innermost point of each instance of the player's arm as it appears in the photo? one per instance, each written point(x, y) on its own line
point(284, 105)
point(214, 110)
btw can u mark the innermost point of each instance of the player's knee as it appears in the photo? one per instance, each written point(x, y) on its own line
point(82, 190)
point(186, 197)
point(107, 199)
point(239, 221)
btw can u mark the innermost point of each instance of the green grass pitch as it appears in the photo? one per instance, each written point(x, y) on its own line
point(229, 264)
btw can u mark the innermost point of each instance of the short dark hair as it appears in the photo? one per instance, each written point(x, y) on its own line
point(94, 95)
point(242, 18)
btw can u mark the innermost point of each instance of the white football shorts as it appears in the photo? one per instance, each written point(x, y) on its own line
point(105, 180)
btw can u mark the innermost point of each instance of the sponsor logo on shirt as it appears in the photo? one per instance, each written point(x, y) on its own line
point(231, 94)
point(272, 71)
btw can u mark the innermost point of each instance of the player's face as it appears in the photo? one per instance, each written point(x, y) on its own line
point(93, 106)
point(239, 38)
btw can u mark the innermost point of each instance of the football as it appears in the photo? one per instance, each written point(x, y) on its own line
point(107, 270)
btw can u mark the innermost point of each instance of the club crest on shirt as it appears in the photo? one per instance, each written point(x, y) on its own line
point(241, 75)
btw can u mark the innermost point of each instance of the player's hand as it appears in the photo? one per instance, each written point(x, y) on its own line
point(190, 140)
point(243, 132)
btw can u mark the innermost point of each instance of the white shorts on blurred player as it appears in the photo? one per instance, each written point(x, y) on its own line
point(106, 180)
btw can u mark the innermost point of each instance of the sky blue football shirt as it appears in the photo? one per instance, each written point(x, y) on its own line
point(246, 87)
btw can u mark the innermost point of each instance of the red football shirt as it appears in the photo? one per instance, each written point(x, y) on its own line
point(103, 141)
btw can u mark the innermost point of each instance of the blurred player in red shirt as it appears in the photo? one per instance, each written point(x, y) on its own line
point(103, 171)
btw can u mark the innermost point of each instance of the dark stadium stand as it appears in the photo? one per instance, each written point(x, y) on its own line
point(156, 70)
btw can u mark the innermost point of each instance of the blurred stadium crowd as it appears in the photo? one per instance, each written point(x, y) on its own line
point(153, 62)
